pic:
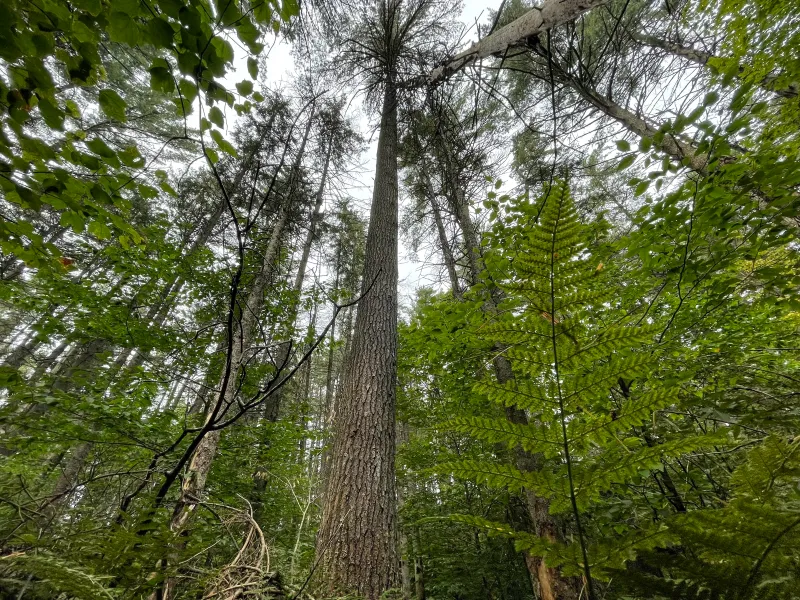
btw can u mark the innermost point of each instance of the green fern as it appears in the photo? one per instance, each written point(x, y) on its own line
point(53, 575)
point(566, 362)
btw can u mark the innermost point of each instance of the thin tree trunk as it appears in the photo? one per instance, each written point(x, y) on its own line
point(678, 149)
point(405, 544)
point(419, 578)
point(272, 408)
point(447, 252)
point(199, 467)
point(552, 585)
point(69, 475)
point(159, 312)
point(327, 407)
point(357, 541)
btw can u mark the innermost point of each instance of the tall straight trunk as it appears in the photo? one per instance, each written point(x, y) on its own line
point(406, 549)
point(551, 584)
point(200, 402)
point(16, 357)
point(158, 313)
point(357, 541)
point(202, 458)
point(460, 207)
point(419, 578)
point(326, 418)
point(273, 406)
point(447, 252)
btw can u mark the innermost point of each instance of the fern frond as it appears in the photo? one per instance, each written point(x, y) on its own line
point(530, 438)
point(603, 377)
point(606, 342)
point(515, 332)
point(56, 575)
point(604, 427)
point(520, 393)
point(492, 528)
point(494, 475)
point(621, 464)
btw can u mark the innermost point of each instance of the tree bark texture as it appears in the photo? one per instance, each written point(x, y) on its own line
point(515, 34)
point(357, 541)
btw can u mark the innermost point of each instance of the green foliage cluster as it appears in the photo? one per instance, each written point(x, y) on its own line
point(54, 47)
point(647, 442)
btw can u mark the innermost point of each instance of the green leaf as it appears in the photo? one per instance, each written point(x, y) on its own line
point(223, 144)
point(215, 116)
point(710, 98)
point(189, 92)
point(160, 33)
point(623, 145)
point(113, 105)
point(100, 230)
point(99, 147)
point(161, 79)
point(245, 88)
point(73, 219)
point(131, 157)
point(626, 162)
point(52, 115)
point(252, 67)
point(212, 155)
point(123, 29)
point(168, 188)
point(289, 8)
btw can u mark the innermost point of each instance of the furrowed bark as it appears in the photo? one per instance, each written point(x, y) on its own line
point(357, 541)
point(515, 34)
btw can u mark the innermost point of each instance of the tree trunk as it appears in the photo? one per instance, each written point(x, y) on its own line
point(551, 584)
point(678, 149)
point(273, 405)
point(326, 417)
point(357, 541)
point(159, 312)
point(515, 34)
point(447, 252)
point(196, 475)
